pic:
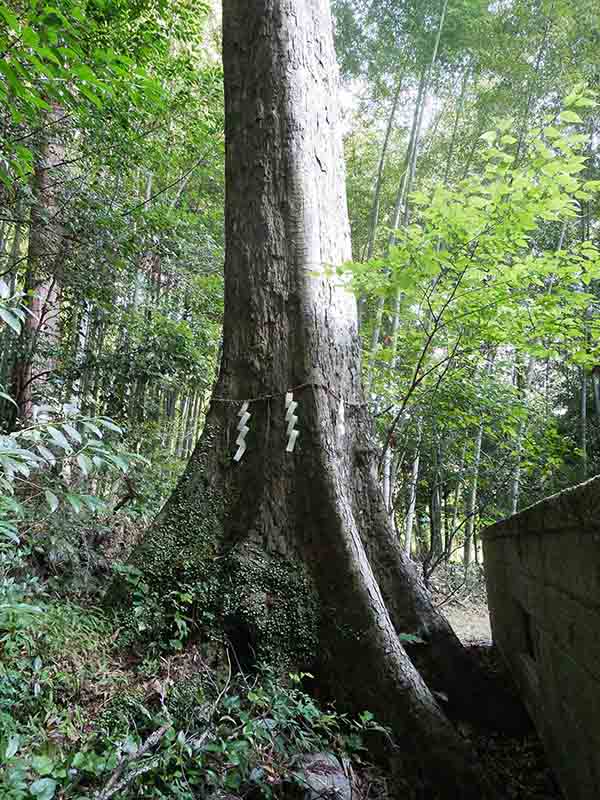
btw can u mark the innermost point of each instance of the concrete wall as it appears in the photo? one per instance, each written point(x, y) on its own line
point(543, 577)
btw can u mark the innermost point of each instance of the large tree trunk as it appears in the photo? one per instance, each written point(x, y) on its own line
point(296, 548)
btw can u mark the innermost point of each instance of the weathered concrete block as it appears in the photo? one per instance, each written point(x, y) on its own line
point(543, 577)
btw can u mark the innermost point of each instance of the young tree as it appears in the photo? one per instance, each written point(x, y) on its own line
point(292, 542)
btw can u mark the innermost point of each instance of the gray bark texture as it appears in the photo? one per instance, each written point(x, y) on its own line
point(316, 513)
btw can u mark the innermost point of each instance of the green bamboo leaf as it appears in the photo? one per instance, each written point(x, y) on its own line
point(59, 438)
point(90, 95)
point(11, 20)
point(75, 502)
point(72, 432)
point(118, 461)
point(85, 464)
point(52, 500)
point(8, 398)
point(93, 428)
point(30, 37)
point(9, 532)
point(11, 319)
point(108, 423)
point(46, 454)
point(93, 503)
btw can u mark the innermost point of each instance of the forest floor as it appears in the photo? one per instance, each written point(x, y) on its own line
point(518, 763)
point(471, 621)
point(463, 602)
point(95, 694)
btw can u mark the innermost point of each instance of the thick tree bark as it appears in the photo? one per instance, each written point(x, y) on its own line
point(315, 513)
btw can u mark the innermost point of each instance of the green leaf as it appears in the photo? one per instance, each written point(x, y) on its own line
point(108, 423)
point(11, 76)
point(93, 503)
point(11, 319)
point(72, 432)
point(13, 746)
point(11, 20)
point(570, 99)
point(46, 454)
point(52, 500)
point(411, 638)
point(505, 124)
point(490, 137)
point(43, 765)
point(59, 438)
point(30, 37)
point(43, 788)
point(75, 502)
point(93, 428)
point(118, 461)
point(46, 52)
point(85, 464)
point(85, 73)
point(90, 95)
point(8, 398)
point(9, 532)
point(569, 116)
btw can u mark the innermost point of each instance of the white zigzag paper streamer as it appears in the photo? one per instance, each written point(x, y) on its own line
point(290, 406)
point(243, 429)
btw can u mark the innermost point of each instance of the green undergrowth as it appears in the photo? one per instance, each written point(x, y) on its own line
point(165, 690)
point(82, 717)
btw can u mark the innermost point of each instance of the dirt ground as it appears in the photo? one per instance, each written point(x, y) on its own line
point(518, 763)
point(471, 623)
